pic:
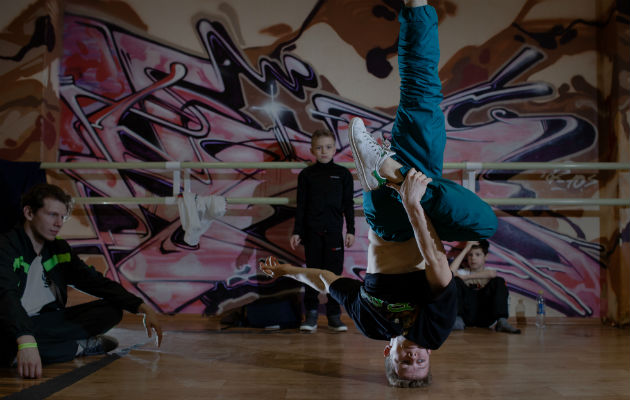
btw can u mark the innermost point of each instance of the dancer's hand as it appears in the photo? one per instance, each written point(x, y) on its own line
point(295, 241)
point(413, 188)
point(271, 267)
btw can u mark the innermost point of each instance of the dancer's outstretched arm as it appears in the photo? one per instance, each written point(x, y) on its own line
point(411, 191)
point(318, 279)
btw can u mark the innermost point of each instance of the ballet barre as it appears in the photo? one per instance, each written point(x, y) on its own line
point(470, 169)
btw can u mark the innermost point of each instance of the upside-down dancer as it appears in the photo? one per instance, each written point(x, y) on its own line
point(408, 295)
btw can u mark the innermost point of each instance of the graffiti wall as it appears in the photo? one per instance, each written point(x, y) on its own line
point(30, 49)
point(208, 81)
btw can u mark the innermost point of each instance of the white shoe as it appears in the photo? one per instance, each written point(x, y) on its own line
point(368, 155)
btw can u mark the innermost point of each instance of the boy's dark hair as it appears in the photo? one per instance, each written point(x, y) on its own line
point(322, 133)
point(34, 198)
point(483, 245)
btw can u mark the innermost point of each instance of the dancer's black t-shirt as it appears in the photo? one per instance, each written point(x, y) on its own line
point(428, 325)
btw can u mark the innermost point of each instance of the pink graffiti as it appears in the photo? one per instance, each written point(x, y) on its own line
point(129, 98)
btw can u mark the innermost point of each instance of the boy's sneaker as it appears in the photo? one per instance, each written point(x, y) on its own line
point(99, 344)
point(310, 323)
point(459, 324)
point(504, 326)
point(368, 155)
point(272, 327)
point(335, 324)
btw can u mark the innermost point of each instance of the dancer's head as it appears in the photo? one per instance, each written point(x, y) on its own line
point(477, 255)
point(406, 363)
point(323, 146)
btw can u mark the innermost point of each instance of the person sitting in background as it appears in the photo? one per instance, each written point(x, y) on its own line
point(36, 268)
point(482, 296)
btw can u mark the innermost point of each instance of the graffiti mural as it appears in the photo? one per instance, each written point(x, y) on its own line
point(28, 108)
point(129, 97)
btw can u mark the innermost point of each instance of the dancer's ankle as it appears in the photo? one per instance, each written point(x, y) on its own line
point(415, 3)
point(390, 171)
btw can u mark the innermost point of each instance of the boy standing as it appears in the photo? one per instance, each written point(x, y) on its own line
point(324, 196)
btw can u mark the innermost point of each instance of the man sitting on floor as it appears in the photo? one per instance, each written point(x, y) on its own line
point(35, 269)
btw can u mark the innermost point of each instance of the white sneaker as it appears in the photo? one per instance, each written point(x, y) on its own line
point(368, 155)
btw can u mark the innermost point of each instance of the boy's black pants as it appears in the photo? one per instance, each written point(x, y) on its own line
point(481, 307)
point(323, 250)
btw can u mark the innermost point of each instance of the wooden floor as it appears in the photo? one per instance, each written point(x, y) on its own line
point(199, 360)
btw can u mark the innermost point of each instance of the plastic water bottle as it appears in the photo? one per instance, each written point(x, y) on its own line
point(540, 310)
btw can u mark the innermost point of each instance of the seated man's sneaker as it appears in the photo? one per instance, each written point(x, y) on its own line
point(368, 155)
point(99, 344)
point(459, 324)
point(335, 324)
point(310, 323)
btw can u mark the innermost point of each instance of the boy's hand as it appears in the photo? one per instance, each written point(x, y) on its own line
point(349, 240)
point(413, 187)
point(470, 244)
point(295, 241)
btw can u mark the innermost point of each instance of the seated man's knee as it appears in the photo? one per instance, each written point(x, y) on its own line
point(117, 314)
point(110, 313)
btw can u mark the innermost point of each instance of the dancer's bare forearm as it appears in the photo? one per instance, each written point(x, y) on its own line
point(318, 279)
point(411, 192)
point(437, 269)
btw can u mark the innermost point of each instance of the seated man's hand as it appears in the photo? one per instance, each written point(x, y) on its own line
point(29, 363)
point(151, 322)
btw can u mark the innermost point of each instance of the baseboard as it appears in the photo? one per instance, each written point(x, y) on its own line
point(559, 321)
